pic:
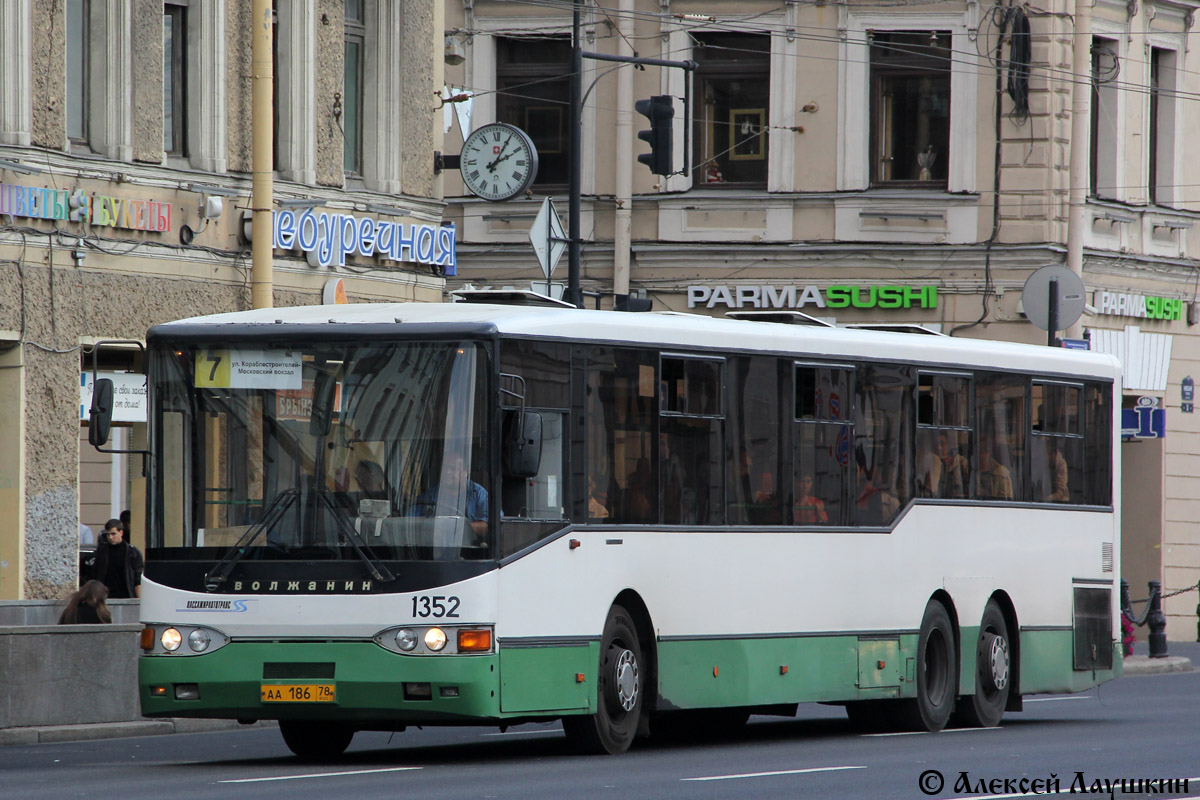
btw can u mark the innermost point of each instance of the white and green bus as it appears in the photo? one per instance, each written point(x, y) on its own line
point(365, 517)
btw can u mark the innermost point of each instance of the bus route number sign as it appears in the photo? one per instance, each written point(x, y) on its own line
point(297, 693)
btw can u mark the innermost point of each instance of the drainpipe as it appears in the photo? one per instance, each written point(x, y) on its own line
point(623, 230)
point(1081, 98)
point(262, 158)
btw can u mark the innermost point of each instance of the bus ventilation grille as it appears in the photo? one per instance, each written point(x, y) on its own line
point(286, 670)
point(1106, 556)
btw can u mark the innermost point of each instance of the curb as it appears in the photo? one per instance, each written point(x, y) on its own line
point(45, 734)
point(1144, 665)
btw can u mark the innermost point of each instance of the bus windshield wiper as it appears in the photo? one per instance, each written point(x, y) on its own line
point(376, 567)
point(276, 509)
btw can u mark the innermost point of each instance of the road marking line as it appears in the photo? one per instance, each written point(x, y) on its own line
point(1055, 699)
point(944, 730)
point(767, 774)
point(319, 775)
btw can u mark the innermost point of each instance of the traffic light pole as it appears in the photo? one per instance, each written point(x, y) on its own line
point(574, 291)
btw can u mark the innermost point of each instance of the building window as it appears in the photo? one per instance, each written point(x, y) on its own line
point(534, 93)
point(1161, 173)
point(1103, 154)
point(78, 54)
point(731, 89)
point(175, 79)
point(352, 87)
point(910, 107)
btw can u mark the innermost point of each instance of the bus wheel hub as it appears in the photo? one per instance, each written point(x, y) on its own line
point(996, 672)
point(625, 681)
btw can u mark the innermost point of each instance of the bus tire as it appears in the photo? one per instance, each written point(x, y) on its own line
point(620, 691)
point(993, 672)
point(315, 741)
point(937, 670)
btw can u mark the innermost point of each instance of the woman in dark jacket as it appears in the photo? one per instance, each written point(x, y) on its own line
point(86, 606)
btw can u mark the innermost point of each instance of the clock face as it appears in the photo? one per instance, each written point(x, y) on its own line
point(498, 162)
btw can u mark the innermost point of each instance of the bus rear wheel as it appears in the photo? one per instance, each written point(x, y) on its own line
point(937, 670)
point(993, 672)
point(619, 689)
point(315, 741)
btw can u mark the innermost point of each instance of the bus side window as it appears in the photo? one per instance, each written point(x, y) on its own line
point(533, 507)
point(883, 447)
point(823, 438)
point(756, 483)
point(619, 394)
point(1000, 425)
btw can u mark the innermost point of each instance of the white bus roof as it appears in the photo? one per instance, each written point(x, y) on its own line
point(688, 332)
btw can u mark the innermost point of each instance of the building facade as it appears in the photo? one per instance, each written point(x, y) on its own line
point(125, 175)
point(869, 162)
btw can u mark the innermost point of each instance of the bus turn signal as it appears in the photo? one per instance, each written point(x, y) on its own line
point(474, 640)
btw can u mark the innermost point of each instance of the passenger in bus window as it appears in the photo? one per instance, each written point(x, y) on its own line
point(457, 495)
point(952, 483)
point(597, 499)
point(808, 510)
point(638, 488)
point(995, 481)
point(873, 506)
point(1056, 473)
point(929, 467)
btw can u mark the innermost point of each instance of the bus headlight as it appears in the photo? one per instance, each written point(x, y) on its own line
point(199, 640)
point(435, 639)
point(406, 639)
point(171, 639)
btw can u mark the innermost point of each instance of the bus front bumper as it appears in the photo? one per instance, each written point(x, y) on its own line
point(336, 681)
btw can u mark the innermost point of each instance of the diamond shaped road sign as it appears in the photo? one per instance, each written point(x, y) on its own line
point(548, 237)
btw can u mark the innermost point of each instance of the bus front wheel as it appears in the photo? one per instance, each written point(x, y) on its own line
point(619, 689)
point(993, 671)
point(937, 670)
point(315, 741)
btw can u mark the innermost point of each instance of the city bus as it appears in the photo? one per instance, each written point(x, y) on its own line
point(367, 517)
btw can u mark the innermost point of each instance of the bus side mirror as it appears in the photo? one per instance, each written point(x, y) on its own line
point(322, 404)
point(522, 443)
point(100, 416)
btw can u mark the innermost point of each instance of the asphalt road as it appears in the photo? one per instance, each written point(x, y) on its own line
point(1135, 728)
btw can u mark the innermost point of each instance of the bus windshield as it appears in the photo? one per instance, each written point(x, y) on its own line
point(339, 450)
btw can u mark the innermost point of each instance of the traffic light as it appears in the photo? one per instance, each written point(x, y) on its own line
point(660, 110)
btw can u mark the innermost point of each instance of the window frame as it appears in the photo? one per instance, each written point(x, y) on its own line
point(883, 71)
point(175, 90)
point(727, 69)
point(510, 105)
point(853, 143)
point(82, 72)
point(354, 35)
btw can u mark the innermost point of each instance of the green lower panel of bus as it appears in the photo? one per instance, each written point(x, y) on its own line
point(1046, 664)
point(702, 673)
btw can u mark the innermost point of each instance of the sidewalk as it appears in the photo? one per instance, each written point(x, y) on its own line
point(45, 734)
point(1180, 658)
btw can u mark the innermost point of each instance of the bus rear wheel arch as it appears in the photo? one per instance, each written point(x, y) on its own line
point(620, 691)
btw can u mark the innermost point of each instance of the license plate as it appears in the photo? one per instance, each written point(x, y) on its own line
point(297, 693)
